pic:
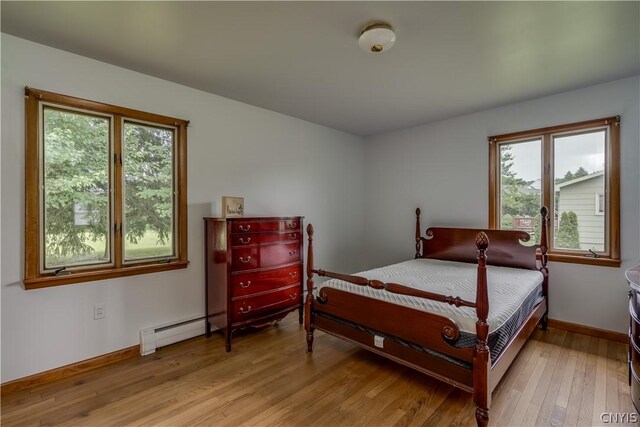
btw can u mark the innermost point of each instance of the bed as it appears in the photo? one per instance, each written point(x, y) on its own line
point(433, 313)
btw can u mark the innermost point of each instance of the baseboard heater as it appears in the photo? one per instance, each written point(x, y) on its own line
point(160, 336)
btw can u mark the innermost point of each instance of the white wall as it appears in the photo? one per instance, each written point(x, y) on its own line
point(281, 165)
point(443, 168)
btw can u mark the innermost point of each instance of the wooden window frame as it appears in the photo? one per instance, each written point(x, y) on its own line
point(33, 277)
point(612, 185)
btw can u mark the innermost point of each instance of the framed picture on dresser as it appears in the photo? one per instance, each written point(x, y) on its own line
point(232, 207)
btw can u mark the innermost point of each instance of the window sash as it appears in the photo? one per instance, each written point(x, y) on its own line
point(607, 158)
point(499, 180)
point(42, 189)
point(174, 198)
point(612, 184)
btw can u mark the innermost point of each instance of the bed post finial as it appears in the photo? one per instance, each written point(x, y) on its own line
point(308, 305)
point(481, 358)
point(417, 233)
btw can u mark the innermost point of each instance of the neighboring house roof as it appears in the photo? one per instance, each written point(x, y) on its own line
point(529, 190)
point(534, 187)
point(577, 180)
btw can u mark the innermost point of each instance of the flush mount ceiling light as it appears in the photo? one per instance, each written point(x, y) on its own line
point(377, 37)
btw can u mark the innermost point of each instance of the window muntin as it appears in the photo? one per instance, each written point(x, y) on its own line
point(97, 202)
point(557, 142)
point(76, 182)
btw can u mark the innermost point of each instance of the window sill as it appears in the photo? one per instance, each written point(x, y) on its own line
point(90, 276)
point(581, 259)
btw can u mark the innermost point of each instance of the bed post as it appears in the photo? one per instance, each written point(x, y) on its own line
point(308, 305)
point(481, 358)
point(417, 233)
point(544, 246)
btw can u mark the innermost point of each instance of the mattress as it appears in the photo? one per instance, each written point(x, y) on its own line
point(513, 293)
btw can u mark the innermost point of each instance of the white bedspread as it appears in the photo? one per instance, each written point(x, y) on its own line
point(508, 288)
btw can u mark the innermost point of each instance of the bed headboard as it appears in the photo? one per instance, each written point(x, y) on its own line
point(505, 247)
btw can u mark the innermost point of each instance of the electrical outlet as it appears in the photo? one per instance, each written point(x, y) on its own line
point(98, 311)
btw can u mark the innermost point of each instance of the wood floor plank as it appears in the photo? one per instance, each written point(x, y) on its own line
point(517, 419)
point(600, 392)
point(505, 397)
point(587, 400)
point(581, 344)
point(560, 378)
point(557, 416)
point(612, 378)
point(551, 355)
point(561, 346)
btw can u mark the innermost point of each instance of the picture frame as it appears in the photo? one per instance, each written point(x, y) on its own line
point(232, 207)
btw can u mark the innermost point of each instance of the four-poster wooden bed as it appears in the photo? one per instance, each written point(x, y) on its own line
point(430, 341)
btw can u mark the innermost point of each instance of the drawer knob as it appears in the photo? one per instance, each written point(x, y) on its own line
point(243, 228)
point(243, 285)
point(243, 311)
point(294, 296)
point(293, 252)
point(292, 225)
point(293, 274)
point(292, 236)
point(245, 260)
point(245, 241)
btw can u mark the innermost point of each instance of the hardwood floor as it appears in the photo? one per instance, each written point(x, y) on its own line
point(559, 378)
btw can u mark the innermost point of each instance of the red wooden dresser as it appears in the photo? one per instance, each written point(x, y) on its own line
point(253, 271)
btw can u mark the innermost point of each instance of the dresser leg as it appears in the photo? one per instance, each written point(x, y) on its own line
point(227, 338)
point(300, 312)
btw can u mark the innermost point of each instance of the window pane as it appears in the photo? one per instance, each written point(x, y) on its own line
point(580, 201)
point(148, 192)
point(76, 189)
point(520, 187)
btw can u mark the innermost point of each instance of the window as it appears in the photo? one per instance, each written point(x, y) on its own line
point(599, 201)
point(574, 171)
point(105, 191)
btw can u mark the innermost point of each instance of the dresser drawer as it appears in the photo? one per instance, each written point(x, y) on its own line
point(264, 281)
point(634, 303)
point(284, 225)
point(272, 255)
point(249, 308)
point(253, 226)
point(245, 226)
point(239, 240)
point(245, 258)
point(634, 328)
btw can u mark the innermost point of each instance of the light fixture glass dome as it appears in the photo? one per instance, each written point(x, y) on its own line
point(377, 37)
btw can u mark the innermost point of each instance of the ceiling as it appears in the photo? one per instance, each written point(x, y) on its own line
point(302, 58)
